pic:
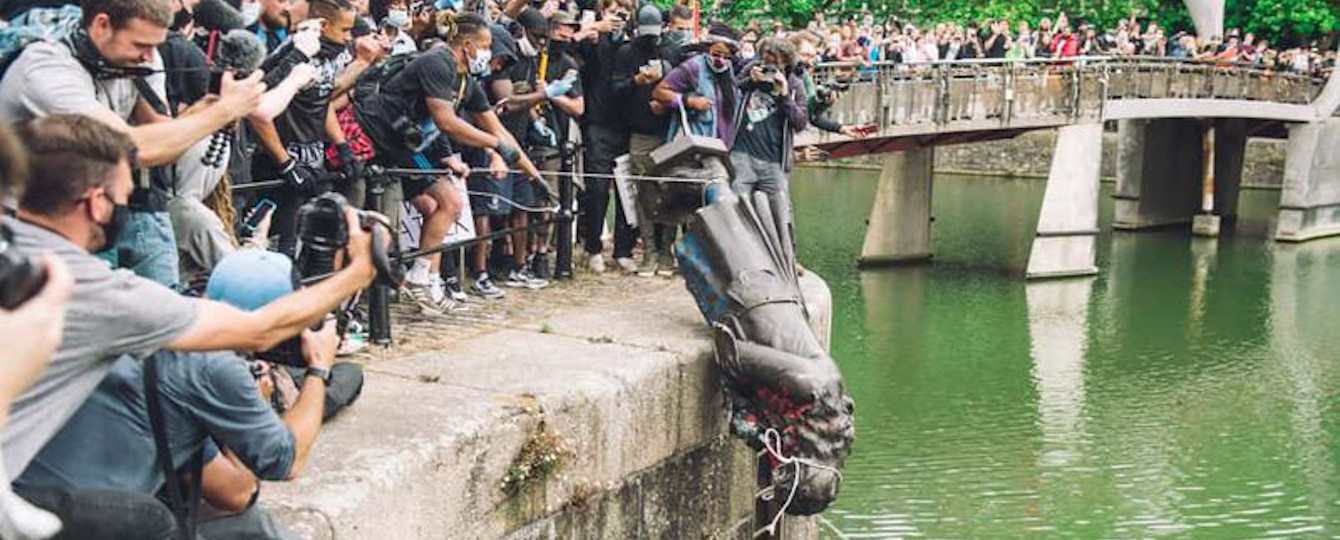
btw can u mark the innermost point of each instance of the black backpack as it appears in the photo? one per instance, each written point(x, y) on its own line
point(373, 79)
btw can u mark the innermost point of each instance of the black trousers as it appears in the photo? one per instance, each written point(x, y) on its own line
point(104, 515)
point(602, 145)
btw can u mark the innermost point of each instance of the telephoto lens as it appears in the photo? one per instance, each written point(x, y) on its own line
point(21, 277)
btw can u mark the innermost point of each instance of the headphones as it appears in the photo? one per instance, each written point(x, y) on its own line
point(87, 54)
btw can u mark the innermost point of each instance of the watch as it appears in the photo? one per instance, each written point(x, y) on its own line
point(320, 373)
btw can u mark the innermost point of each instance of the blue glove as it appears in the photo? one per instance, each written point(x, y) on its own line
point(543, 131)
point(558, 88)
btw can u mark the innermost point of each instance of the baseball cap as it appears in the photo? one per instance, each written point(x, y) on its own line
point(565, 17)
point(649, 21)
point(249, 279)
point(531, 19)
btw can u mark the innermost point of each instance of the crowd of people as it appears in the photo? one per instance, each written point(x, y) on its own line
point(159, 159)
point(863, 40)
point(162, 162)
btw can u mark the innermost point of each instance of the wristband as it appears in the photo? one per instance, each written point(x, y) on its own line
point(320, 373)
point(510, 155)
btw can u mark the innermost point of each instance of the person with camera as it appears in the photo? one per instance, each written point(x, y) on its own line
point(638, 68)
point(604, 134)
point(772, 111)
point(103, 70)
point(75, 204)
point(294, 143)
point(33, 295)
point(819, 97)
point(211, 411)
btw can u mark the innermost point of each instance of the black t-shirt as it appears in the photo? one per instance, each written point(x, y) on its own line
point(403, 99)
point(598, 81)
point(997, 49)
point(304, 120)
point(525, 79)
point(761, 133)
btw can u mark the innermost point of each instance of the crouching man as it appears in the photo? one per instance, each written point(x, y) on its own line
point(209, 400)
point(75, 204)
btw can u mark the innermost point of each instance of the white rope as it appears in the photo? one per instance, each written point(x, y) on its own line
point(772, 443)
point(512, 203)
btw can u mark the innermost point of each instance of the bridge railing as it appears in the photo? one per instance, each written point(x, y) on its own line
point(1022, 93)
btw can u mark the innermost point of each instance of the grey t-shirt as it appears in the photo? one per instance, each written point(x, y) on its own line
point(109, 443)
point(46, 79)
point(111, 313)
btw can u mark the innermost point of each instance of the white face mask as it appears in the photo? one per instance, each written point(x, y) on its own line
point(251, 13)
point(479, 65)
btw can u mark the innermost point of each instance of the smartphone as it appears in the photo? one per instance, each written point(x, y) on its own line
point(588, 16)
point(257, 214)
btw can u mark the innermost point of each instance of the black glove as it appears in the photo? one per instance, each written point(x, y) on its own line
point(350, 167)
point(508, 153)
point(300, 178)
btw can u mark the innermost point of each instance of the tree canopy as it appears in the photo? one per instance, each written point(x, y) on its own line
point(1281, 21)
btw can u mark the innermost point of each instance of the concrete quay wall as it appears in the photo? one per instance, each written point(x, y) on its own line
point(622, 391)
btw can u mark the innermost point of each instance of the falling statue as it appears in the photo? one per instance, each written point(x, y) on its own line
point(785, 393)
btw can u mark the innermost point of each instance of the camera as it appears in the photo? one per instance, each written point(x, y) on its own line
point(21, 277)
point(323, 231)
point(829, 90)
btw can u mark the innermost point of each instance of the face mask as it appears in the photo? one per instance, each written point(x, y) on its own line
point(479, 65)
point(649, 42)
point(801, 68)
point(557, 48)
point(114, 226)
point(677, 37)
point(330, 48)
point(251, 13)
point(720, 65)
point(397, 18)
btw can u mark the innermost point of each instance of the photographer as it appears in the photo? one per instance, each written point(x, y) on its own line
point(76, 204)
point(772, 111)
point(207, 398)
point(33, 326)
point(819, 98)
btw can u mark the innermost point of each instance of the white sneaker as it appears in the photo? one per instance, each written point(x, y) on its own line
point(626, 264)
point(596, 263)
point(484, 287)
point(432, 297)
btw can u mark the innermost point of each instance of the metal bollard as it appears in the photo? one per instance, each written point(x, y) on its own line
point(379, 295)
point(563, 259)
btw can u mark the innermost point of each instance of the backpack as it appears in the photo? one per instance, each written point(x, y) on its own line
point(371, 81)
point(37, 24)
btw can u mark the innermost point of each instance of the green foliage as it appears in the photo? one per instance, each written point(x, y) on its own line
point(1281, 21)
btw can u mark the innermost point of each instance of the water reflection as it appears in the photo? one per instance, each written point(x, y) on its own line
point(1189, 390)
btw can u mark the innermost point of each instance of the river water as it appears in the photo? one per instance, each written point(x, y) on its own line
point(1191, 389)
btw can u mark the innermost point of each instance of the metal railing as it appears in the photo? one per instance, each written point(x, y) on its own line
point(1002, 93)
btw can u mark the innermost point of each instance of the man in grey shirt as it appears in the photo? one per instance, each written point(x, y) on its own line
point(75, 204)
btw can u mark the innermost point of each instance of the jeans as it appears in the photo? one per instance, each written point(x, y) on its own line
point(147, 247)
point(603, 144)
point(753, 174)
point(252, 524)
point(104, 515)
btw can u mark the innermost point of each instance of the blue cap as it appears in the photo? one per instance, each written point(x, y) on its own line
point(250, 278)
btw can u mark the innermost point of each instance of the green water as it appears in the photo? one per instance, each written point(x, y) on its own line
point(1191, 390)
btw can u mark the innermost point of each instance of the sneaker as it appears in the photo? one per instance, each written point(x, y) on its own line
point(665, 267)
point(626, 264)
point(452, 285)
point(533, 282)
point(539, 267)
point(522, 279)
point(648, 266)
point(596, 263)
point(483, 286)
point(432, 297)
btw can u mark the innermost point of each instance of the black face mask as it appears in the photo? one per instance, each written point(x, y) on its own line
point(649, 42)
point(87, 54)
point(115, 226)
point(557, 48)
point(330, 48)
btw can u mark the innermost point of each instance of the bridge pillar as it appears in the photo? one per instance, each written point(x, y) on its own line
point(1310, 200)
point(1068, 224)
point(899, 228)
point(1159, 170)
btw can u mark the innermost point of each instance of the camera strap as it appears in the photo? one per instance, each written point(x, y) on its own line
point(183, 508)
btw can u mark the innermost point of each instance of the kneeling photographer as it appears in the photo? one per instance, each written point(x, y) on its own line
point(75, 204)
point(204, 399)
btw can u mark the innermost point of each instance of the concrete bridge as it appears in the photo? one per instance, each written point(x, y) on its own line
point(1183, 129)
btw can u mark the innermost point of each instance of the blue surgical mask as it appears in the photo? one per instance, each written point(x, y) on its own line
point(397, 18)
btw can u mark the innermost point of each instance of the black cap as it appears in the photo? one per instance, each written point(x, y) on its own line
point(532, 20)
